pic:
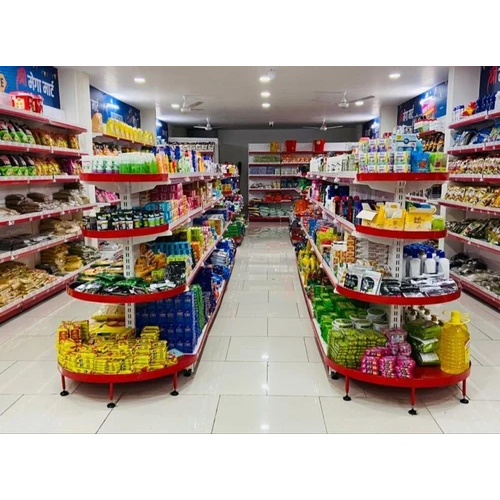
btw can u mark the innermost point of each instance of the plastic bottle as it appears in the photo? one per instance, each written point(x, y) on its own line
point(422, 257)
point(454, 345)
point(406, 264)
point(444, 265)
point(429, 264)
point(415, 265)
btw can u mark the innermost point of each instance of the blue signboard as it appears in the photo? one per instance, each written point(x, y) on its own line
point(431, 104)
point(109, 107)
point(489, 82)
point(371, 129)
point(39, 80)
point(161, 132)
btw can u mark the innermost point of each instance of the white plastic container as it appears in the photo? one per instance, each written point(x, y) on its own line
point(444, 265)
point(415, 265)
point(430, 265)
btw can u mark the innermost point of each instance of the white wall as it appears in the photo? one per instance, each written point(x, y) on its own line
point(233, 144)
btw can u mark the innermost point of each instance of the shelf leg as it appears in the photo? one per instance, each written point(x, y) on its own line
point(64, 392)
point(347, 397)
point(111, 394)
point(175, 392)
point(334, 375)
point(464, 399)
point(412, 399)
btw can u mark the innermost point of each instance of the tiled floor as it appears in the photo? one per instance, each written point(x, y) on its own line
point(260, 372)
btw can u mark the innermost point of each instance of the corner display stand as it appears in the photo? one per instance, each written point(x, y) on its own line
point(185, 363)
point(424, 377)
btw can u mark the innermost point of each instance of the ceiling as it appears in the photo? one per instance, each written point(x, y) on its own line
point(231, 95)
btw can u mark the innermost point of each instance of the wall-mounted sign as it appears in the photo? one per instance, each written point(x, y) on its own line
point(371, 129)
point(431, 104)
point(104, 107)
point(489, 82)
point(161, 132)
point(39, 80)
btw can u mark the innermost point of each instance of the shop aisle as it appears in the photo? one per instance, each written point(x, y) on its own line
point(260, 371)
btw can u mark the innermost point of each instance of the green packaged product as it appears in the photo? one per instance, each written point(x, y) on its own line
point(423, 329)
point(427, 358)
point(424, 346)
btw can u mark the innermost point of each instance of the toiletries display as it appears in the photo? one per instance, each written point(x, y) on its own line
point(485, 104)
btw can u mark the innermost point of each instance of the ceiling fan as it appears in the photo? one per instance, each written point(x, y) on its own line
point(344, 103)
point(324, 128)
point(206, 127)
point(187, 108)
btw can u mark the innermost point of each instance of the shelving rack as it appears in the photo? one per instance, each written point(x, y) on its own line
point(456, 211)
point(261, 173)
point(424, 377)
point(28, 222)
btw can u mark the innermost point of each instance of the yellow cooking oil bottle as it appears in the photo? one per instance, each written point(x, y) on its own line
point(454, 346)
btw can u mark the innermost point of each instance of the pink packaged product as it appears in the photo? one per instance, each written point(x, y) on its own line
point(387, 365)
point(369, 364)
point(395, 335)
point(405, 367)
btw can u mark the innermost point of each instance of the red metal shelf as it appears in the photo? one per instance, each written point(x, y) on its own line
point(123, 177)
point(400, 235)
point(35, 148)
point(407, 177)
point(428, 133)
point(126, 299)
point(470, 208)
point(397, 301)
point(112, 138)
point(124, 233)
point(471, 287)
point(483, 245)
point(23, 218)
point(39, 118)
point(471, 120)
point(42, 179)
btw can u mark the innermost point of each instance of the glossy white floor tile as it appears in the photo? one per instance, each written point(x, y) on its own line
point(46, 414)
point(286, 297)
point(28, 349)
point(6, 401)
point(228, 309)
point(305, 379)
point(288, 349)
point(290, 327)
point(486, 352)
point(313, 354)
point(257, 285)
point(373, 415)
point(267, 310)
point(269, 414)
point(233, 327)
point(258, 297)
point(226, 377)
point(5, 364)
point(162, 414)
point(216, 348)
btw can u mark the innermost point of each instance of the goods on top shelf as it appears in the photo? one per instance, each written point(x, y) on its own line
point(27, 101)
point(202, 147)
point(474, 137)
point(295, 158)
point(484, 229)
point(12, 132)
point(489, 165)
point(276, 184)
point(475, 271)
point(106, 347)
point(433, 142)
point(121, 130)
point(374, 214)
point(486, 104)
point(474, 195)
point(181, 320)
point(423, 125)
point(263, 158)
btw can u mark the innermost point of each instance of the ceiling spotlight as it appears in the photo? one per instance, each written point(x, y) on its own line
point(175, 106)
point(359, 103)
point(139, 80)
point(265, 79)
point(265, 94)
point(394, 76)
point(266, 105)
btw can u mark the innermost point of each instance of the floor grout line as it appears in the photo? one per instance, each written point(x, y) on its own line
point(10, 406)
point(215, 415)
point(111, 409)
point(323, 414)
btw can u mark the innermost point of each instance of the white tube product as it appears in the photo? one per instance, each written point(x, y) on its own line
point(415, 265)
point(422, 257)
point(444, 265)
point(406, 265)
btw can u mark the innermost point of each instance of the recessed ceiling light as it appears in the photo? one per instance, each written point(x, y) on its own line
point(394, 76)
point(175, 106)
point(265, 105)
point(359, 103)
point(139, 79)
point(265, 94)
point(265, 79)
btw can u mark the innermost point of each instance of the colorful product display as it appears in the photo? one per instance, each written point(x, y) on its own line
point(483, 229)
point(479, 196)
point(121, 130)
point(488, 165)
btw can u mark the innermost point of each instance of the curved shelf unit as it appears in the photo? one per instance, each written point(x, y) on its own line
point(397, 301)
point(400, 235)
point(124, 233)
point(125, 142)
point(424, 376)
point(126, 299)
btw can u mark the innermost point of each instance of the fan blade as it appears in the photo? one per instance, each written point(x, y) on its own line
point(367, 98)
point(312, 128)
point(199, 126)
point(197, 103)
point(197, 109)
point(324, 102)
point(335, 126)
